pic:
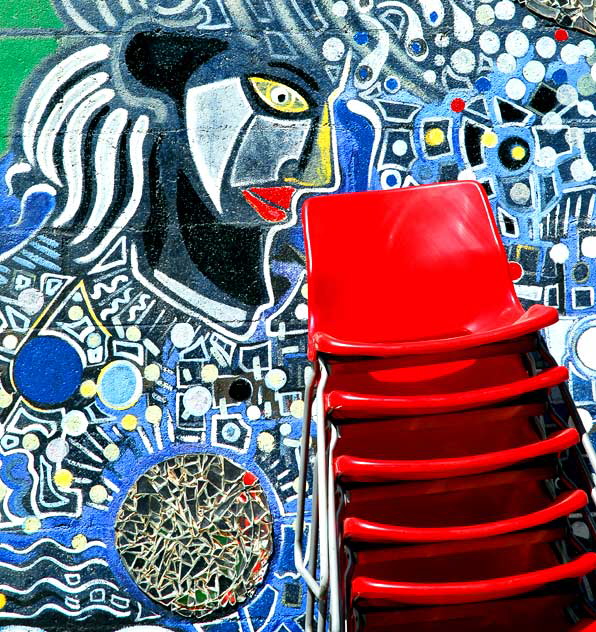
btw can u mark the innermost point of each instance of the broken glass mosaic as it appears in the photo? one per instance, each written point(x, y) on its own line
point(195, 533)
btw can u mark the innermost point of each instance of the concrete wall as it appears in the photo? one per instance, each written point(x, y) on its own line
point(152, 290)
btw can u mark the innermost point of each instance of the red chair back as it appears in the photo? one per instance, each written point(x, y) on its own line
point(420, 263)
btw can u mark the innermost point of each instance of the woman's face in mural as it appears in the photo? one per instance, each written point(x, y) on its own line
point(265, 135)
point(251, 130)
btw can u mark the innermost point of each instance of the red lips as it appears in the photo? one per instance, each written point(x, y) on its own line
point(270, 203)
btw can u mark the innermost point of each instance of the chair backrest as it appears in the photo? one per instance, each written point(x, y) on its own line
point(408, 264)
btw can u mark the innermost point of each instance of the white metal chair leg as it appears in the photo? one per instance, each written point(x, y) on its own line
point(322, 617)
point(318, 589)
point(335, 614)
point(312, 564)
point(312, 555)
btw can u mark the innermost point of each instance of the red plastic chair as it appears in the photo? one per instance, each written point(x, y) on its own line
point(455, 509)
point(364, 256)
point(440, 436)
point(354, 469)
point(461, 572)
point(538, 613)
point(418, 261)
point(340, 403)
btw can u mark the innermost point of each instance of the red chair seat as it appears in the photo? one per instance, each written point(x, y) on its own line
point(450, 502)
point(467, 500)
point(354, 469)
point(536, 318)
point(344, 404)
point(544, 613)
point(462, 572)
point(369, 532)
point(364, 249)
point(444, 377)
point(372, 593)
point(439, 436)
point(472, 560)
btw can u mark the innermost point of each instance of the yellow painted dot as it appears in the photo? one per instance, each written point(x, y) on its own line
point(518, 152)
point(152, 372)
point(129, 422)
point(31, 525)
point(153, 414)
point(2, 601)
point(489, 139)
point(63, 478)
point(98, 494)
point(434, 137)
point(88, 388)
point(5, 399)
point(10, 342)
point(304, 291)
point(209, 373)
point(30, 441)
point(111, 452)
point(79, 542)
point(133, 333)
point(297, 408)
point(75, 312)
point(266, 442)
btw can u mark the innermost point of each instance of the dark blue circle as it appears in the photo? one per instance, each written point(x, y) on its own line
point(392, 84)
point(434, 16)
point(483, 84)
point(560, 76)
point(361, 38)
point(391, 180)
point(47, 370)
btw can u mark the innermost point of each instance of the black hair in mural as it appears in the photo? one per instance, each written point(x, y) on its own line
point(164, 59)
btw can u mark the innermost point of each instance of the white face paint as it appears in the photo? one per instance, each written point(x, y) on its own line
point(216, 113)
point(267, 145)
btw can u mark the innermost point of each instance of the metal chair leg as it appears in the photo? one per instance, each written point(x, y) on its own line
point(318, 589)
point(334, 587)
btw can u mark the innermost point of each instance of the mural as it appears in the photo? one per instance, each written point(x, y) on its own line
point(152, 292)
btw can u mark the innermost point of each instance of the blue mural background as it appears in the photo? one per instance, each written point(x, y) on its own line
point(407, 95)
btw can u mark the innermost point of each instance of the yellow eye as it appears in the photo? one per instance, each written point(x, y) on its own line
point(279, 96)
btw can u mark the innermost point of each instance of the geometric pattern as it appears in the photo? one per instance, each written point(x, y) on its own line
point(195, 533)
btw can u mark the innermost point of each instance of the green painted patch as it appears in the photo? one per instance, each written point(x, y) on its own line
point(16, 14)
point(18, 56)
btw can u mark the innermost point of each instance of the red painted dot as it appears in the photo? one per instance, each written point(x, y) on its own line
point(458, 105)
point(561, 35)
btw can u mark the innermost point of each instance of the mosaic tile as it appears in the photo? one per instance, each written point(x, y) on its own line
point(195, 532)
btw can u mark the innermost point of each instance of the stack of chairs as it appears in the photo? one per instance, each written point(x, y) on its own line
point(450, 490)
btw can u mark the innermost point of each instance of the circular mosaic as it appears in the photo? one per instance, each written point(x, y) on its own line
point(195, 533)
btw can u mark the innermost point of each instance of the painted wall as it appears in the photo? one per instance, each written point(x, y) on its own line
point(152, 294)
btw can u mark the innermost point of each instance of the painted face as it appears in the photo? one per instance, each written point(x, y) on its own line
point(252, 133)
point(257, 138)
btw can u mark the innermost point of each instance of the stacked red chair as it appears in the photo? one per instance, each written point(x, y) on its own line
point(450, 490)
